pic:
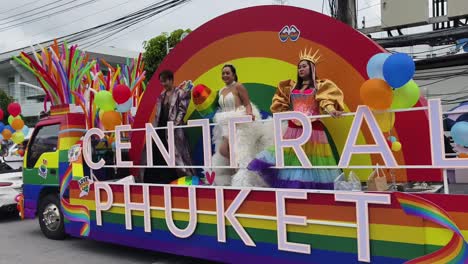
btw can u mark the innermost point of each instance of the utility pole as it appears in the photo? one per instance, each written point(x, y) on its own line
point(347, 12)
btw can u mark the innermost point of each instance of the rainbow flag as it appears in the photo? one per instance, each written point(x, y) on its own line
point(456, 250)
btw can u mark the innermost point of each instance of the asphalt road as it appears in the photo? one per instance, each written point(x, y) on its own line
point(22, 242)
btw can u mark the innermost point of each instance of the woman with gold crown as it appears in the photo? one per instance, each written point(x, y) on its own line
point(310, 96)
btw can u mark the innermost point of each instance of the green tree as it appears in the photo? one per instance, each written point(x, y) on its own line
point(5, 100)
point(156, 50)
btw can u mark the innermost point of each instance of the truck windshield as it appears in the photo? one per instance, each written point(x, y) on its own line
point(44, 141)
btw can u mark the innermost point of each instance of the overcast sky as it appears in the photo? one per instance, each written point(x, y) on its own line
point(190, 15)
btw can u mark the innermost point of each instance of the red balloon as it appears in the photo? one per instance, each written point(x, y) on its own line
point(121, 93)
point(14, 109)
point(2, 115)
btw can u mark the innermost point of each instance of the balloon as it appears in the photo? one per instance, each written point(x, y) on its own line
point(17, 124)
point(18, 137)
point(375, 65)
point(2, 115)
point(406, 96)
point(14, 109)
point(398, 69)
point(376, 94)
point(26, 130)
point(386, 120)
point(110, 119)
point(459, 133)
point(10, 128)
point(2, 126)
point(463, 117)
point(6, 134)
point(463, 155)
point(104, 101)
point(396, 146)
point(392, 139)
point(121, 93)
point(125, 107)
point(21, 152)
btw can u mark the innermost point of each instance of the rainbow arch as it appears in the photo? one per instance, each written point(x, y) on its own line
point(262, 59)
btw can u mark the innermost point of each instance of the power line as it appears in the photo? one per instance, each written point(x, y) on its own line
point(18, 7)
point(78, 19)
point(35, 9)
point(111, 25)
point(48, 15)
point(185, 2)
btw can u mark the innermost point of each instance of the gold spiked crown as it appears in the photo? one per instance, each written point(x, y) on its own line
point(304, 55)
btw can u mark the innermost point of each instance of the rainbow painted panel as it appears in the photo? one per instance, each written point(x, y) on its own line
point(395, 236)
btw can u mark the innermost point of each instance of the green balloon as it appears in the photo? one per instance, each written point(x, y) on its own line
point(105, 101)
point(406, 96)
point(12, 118)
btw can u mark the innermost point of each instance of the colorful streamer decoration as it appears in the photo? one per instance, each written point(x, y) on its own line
point(68, 76)
point(456, 251)
point(74, 213)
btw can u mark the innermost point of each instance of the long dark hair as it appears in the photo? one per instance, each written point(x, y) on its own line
point(312, 76)
point(233, 70)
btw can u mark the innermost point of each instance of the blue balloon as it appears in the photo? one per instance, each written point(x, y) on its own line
point(125, 107)
point(463, 117)
point(25, 130)
point(459, 133)
point(392, 139)
point(398, 70)
point(375, 65)
point(10, 128)
point(2, 126)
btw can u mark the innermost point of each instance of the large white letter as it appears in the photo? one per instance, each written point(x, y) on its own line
point(188, 231)
point(119, 146)
point(98, 186)
point(293, 143)
point(362, 201)
point(87, 149)
point(381, 147)
point(206, 135)
point(232, 137)
point(284, 219)
point(144, 207)
point(168, 155)
point(230, 215)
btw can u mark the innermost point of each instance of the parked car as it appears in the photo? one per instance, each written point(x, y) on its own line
point(11, 181)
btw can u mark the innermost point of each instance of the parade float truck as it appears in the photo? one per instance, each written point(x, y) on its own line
point(389, 138)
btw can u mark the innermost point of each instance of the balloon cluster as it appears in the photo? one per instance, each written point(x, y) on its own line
point(16, 129)
point(390, 86)
point(458, 125)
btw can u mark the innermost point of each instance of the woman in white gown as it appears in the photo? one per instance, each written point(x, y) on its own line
point(233, 101)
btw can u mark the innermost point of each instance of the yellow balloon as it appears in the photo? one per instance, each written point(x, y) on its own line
point(396, 146)
point(386, 120)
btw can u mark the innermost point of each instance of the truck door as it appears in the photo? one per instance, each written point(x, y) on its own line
point(42, 156)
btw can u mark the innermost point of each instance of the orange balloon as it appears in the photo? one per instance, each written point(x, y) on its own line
point(6, 133)
point(463, 155)
point(17, 124)
point(110, 119)
point(376, 94)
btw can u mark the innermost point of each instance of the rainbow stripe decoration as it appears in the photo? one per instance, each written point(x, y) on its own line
point(74, 213)
point(456, 251)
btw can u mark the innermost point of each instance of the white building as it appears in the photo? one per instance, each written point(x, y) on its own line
point(32, 100)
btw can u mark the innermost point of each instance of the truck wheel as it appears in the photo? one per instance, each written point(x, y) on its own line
point(51, 218)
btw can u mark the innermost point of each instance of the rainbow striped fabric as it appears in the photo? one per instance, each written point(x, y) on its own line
point(456, 250)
